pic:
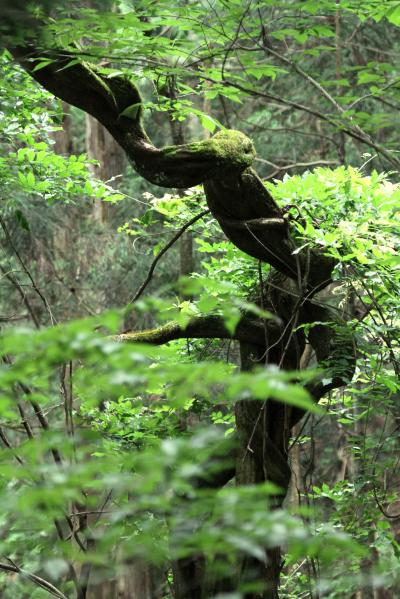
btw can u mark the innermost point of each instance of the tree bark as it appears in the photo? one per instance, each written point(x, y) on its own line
point(253, 221)
point(101, 147)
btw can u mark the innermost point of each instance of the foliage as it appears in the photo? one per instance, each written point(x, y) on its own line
point(107, 444)
point(139, 476)
point(143, 396)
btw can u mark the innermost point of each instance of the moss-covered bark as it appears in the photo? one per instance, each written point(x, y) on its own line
point(252, 220)
point(205, 327)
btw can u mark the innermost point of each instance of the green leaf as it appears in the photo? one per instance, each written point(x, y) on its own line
point(22, 220)
point(42, 64)
point(393, 14)
point(131, 111)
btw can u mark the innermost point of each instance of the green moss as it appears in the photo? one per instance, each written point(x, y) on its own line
point(161, 334)
point(229, 150)
point(233, 145)
point(228, 145)
point(228, 153)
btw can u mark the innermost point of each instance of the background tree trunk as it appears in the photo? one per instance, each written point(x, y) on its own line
point(101, 147)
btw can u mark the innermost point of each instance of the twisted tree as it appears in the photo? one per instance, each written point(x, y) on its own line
point(252, 220)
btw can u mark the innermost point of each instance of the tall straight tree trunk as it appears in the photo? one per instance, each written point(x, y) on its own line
point(63, 145)
point(186, 239)
point(102, 147)
point(136, 580)
point(63, 138)
point(62, 237)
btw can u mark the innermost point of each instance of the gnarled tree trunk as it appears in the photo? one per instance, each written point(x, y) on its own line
point(253, 221)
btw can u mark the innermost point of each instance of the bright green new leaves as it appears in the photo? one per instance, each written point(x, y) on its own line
point(354, 217)
point(130, 402)
point(30, 165)
point(109, 368)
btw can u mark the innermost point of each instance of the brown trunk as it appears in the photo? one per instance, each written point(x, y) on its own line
point(188, 576)
point(262, 456)
point(134, 580)
point(140, 581)
point(63, 138)
point(295, 467)
point(102, 147)
point(341, 145)
point(186, 240)
point(264, 428)
point(63, 145)
point(106, 589)
point(186, 254)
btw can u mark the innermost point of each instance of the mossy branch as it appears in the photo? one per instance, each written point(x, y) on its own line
point(234, 192)
point(205, 327)
point(109, 99)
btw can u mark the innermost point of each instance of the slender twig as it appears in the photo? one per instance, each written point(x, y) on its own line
point(286, 167)
point(7, 444)
point(374, 94)
point(285, 264)
point(66, 392)
point(348, 129)
point(306, 76)
point(91, 544)
point(381, 508)
point(297, 164)
point(8, 275)
point(13, 318)
point(55, 453)
point(163, 251)
point(303, 426)
point(25, 269)
point(41, 582)
point(234, 40)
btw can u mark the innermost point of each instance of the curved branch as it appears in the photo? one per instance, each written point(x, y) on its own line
point(41, 582)
point(164, 250)
point(116, 103)
point(205, 327)
point(334, 349)
point(238, 204)
point(234, 191)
